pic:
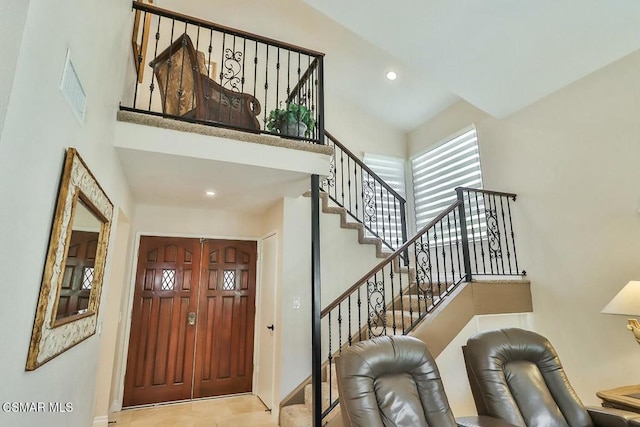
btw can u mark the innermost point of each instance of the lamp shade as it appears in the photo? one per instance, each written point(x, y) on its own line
point(626, 302)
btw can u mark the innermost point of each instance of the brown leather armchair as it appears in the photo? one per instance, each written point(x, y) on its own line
point(394, 381)
point(516, 375)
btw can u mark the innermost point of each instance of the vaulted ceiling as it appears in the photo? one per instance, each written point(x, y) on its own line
point(499, 55)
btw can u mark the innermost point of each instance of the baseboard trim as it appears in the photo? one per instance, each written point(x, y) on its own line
point(101, 421)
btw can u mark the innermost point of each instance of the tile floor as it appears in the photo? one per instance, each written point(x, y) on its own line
point(236, 411)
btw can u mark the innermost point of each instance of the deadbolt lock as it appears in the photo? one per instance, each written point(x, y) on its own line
point(191, 318)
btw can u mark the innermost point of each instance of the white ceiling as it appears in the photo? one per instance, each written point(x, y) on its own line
point(499, 55)
point(167, 179)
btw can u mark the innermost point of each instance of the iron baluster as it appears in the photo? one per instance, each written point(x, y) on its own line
point(278, 78)
point(506, 239)
point(195, 67)
point(155, 54)
point(381, 215)
point(435, 250)
point(444, 257)
point(223, 47)
point(359, 315)
point(349, 181)
point(349, 318)
point(495, 207)
point(266, 82)
point(355, 181)
point(340, 328)
point(342, 177)
point(453, 269)
point(369, 311)
point(473, 234)
point(484, 266)
point(456, 227)
point(513, 241)
point(393, 299)
point(255, 77)
point(299, 100)
point(166, 87)
point(244, 58)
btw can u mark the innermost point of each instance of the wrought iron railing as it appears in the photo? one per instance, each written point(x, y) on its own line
point(198, 71)
point(489, 232)
point(367, 198)
point(402, 290)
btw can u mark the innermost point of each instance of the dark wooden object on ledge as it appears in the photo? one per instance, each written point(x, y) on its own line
point(627, 398)
point(187, 91)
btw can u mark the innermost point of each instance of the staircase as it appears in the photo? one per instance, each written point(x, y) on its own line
point(416, 279)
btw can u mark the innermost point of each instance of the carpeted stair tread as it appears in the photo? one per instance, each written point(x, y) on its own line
point(296, 416)
point(325, 395)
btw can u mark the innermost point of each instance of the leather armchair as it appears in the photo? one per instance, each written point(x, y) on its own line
point(516, 375)
point(394, 381)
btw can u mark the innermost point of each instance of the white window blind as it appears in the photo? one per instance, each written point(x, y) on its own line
point(437, 173)
point(391, 171)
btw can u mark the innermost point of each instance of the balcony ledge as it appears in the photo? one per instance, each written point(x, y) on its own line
point(169, 162)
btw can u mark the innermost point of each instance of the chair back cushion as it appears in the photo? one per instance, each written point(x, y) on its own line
point(391, 381)
point(516, 375)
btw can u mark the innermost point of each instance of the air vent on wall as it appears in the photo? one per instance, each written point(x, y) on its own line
point(72, 89)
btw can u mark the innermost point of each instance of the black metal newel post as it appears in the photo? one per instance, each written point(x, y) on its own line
point(316, 347)
point(316, 341)
point(465, 237)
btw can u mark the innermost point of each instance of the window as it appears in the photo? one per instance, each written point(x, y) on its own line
point(437, 172)
point(391, 171)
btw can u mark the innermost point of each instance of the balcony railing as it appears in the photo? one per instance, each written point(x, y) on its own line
point(194, 70)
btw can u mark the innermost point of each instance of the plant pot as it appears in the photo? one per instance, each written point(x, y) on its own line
point(293, 129)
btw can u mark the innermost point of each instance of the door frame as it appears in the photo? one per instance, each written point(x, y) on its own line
point(127, 311)
point(275, 387)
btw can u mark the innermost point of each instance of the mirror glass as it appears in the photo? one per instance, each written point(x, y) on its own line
point(77, 280)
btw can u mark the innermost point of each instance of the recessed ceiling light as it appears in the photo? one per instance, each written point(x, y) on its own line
point(391, 75)
point(210, 193)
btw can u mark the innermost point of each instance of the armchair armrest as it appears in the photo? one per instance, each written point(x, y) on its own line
point(611, 417)
point(482, 421)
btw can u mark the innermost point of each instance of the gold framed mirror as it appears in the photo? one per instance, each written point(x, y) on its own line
point(67, 309)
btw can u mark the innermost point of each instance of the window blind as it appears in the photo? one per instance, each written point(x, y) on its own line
point(391, 171)
point(437, 173)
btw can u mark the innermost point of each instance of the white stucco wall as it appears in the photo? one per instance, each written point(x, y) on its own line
point(572, 158)
point(38, 127)
point(343, 262)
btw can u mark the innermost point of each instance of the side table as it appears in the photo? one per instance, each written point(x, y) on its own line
point(627, 398)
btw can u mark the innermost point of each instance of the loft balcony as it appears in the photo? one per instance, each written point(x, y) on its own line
point(205, 97)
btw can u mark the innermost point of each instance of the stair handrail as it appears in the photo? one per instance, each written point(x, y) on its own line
point(401, 251)
point(387, 240)
point(364, 166)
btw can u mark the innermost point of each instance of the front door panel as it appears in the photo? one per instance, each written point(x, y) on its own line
point(161, 345)
point(224, 360)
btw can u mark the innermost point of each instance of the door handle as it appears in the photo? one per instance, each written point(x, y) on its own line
point(191, 318)
point(271, 327)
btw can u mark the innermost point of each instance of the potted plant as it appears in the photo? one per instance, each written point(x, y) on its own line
point(294, 120)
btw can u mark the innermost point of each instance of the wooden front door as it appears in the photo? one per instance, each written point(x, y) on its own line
point(224, 364)
point(167, 320)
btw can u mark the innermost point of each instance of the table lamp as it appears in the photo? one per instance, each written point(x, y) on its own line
point(627, 302)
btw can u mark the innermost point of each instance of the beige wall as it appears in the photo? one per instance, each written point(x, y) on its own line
point(38, 127)
point(572, 158)
point(13, 15)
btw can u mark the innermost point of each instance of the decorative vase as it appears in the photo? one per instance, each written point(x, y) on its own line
point(293, 129)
